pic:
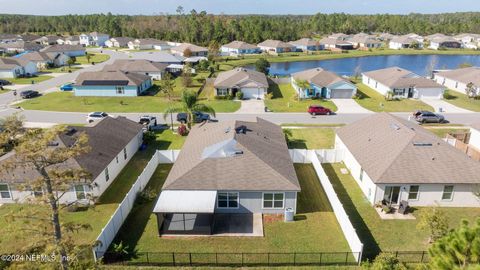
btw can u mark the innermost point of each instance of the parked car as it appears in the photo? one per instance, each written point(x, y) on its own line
point(148, 122)
point(428, 117)
point(29, 94)
point(94, 116)
point(4, 82)
point(67, 87)
point(198, 117)
point(317, 109)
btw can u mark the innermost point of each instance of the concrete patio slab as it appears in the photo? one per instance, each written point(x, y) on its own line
point(238, 225)
point(394, 215)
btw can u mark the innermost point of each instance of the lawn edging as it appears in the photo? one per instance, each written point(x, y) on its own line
point(328, 155)
point(110, 230)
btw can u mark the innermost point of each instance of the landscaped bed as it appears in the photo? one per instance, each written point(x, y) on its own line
point(374, 101)
point(315, 229)
point(284, 100)
point(461, 100)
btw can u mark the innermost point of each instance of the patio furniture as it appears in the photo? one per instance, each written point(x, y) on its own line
point(403, 208)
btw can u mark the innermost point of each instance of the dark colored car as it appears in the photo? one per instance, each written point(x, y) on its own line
point(317, 109)
point(198, 117)
point(4, 82)
point(428, 117)
point(29, 94)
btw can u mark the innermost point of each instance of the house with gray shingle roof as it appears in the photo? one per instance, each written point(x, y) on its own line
point(307, 45)
point(45, 60)
point(70, 50)
point(276, 46)
point(402, 83)
point(141, 66)
point(251, 83)
point(322, 84)
point(239, 47)
point(189, 50)
point(227, 167)
point(440, 41)
point(406, 41)
point(395, 160)
point(459, 79)
point(11, 67)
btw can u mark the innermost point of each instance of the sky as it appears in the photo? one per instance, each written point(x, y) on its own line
point(151, 7)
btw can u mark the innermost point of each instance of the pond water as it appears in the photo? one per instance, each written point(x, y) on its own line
point(420, 64)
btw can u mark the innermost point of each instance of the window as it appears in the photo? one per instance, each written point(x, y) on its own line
point(413, 193)
point(447, 193)
point(125, 153)
point(80, 192)
point(456, 84)
point(398, 92)
point(107, 176)
point(120, 90)
point(116, 158)
point(37, 192)
point(222, 92)
point(4, 191)
point(227, 200)
point(361, 174)
point(273, 200)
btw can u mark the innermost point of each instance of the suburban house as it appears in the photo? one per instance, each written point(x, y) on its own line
point(402, 83)
point(112, 141)
point(307, 45)
point(251, 83)
point(71, 40)
point(227, 169)
point(338, 36)
point(45, 60)
point(385, 36)
point(444, 42)
point(69, 50)
point(19, 46)
point(93, 39)
point(459, 79)
point(364, 42)
point(111, 84)
point(141, 66)
point(118, 42)
point(322, 84)
point(467, 37)
point(148, 44)
point(7, 38)
point(47, 40)
point(335, 44)
point(11, 67)
point(188, 50)
point(238, 48)
point(276, 46)
point(395, 160)
point(405, 42)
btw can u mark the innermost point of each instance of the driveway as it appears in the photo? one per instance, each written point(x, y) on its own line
point(443, 106)
point(347, 105)
point(250, 106)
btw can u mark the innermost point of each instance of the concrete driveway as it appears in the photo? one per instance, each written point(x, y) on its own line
point(250, 106)
point(346, 105)
point(443, 106)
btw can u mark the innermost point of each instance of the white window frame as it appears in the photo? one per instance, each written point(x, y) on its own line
point(116, 159)
point(273, 200)
point(125, 155)
point(417, 193)
point(361, 174)
point(7, 191)
point(228, 199)
point(222, 92)
point(107, 174)
point(84, 191)
point(451, 193)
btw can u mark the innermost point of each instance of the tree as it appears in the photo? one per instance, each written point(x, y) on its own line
point(459, 249)
point(88, 57)
point(384, 261)
point(304, 85)
point(34, 151)
point(471, 90)
point(189, 105)
point(435, 222)
point(167, 85)
point(288, 135)
point(71, 61)
point(213, 50)
point(262, 65)
point(180, 10)
point(187, 53)
point(11, 128)
point(187, 75)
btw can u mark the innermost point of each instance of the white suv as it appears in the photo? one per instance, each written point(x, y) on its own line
point(94, 116)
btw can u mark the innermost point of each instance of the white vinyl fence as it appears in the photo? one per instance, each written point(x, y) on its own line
point(316, 157)
point(110, 230)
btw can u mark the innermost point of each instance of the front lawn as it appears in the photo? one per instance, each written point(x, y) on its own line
point(374, 101)
point(461, 100)
point(64, 69)
point(441, 132)
point(315, 229)
point(35, 79)
point(94, 58)
point(207, 96)
point(312, 138)
point(385, 235)
point(284, 100)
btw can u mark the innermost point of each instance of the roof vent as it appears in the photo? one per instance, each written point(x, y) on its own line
point(422, 144)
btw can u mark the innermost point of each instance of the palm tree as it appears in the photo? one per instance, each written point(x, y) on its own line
point(189, 106)
point(304, 85)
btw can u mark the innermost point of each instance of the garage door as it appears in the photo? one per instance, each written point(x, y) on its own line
point(341, 93)
point(253, 93)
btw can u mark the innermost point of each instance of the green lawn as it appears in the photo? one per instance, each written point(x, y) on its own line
point(441, 132)
point(385, 235)
point(461, 100)
point(64, 69)
point(372, 100)
point(312, 138)
point(94, 57)
point(315, 228)
point(35, 79)
point(284, 100)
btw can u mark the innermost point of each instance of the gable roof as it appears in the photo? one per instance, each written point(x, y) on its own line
point(208, 160)
point(192, 47)
point(393, 150)
point(305, 42)
point(333, 41)
point(63, 48)
point(319, 77)
point(240, 45)
point(403, 40)
point(275, 44)
point(38, 56)
point(22, 45)
point(122, 41)
point(399, 77)
point(463, 75)
point(11, 62)
point(114, 77)
point(241, 77)
point(135, 65)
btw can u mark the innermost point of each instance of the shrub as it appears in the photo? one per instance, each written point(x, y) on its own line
point(229, 97)
point(147, 195)
point(446, 95)
point(149, 136)
point(182, 130)
point(220, 97)
point(269, 96)
point(384, 261)
point(239, 95)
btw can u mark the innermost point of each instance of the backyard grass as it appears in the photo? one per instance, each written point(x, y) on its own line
point(442, 132)
point(385, 235)
point(284, 100)
point(64, 69)
point(312, 138)
point(315, 229)
point(461, 100)
point(94, 58)
point(35, 79)
point(374, 101)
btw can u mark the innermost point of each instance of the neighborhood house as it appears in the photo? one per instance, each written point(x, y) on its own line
point(276, 46)
point(322, 83)
point(15, 67)
point(45, 60)
point(462, 80)
point(189, 50)
point(252, 84)
point(69, 50)
point(140, 66)
point(307, 45)
point(239, 47)
point(93, 39)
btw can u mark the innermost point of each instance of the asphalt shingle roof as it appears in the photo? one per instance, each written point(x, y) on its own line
point(241, 77)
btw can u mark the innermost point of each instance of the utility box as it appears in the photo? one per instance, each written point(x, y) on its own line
point(289, 214)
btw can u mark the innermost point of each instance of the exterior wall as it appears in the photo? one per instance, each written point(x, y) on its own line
point(84, 39)
point(382, 89)
point(252, 202)
point(395, 45)
point(474, 138)
point(229, 51)
point(31, 68)
point(110, 91)
point(100, 40)
point(451, 84)
point(22, 196)
point(8, 73)
point(429, 93)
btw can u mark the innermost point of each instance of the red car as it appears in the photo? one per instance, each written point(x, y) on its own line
point(317, 109)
